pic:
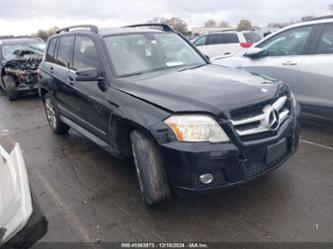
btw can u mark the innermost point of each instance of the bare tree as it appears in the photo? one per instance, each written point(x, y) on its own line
point(45, 34)
point(210, 23)
point(224, 24)
point(177, 24)
point(306, 18)
point(244, 25)
point(157, 20)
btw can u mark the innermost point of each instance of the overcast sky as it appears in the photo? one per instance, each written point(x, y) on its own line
point(27, 16)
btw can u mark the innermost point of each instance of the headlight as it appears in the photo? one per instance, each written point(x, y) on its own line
point(196, 128)
point(293, 99)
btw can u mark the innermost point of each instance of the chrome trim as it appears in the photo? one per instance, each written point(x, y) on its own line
point(270, 119)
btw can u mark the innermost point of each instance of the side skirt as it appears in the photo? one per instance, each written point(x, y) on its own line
point(110, 149)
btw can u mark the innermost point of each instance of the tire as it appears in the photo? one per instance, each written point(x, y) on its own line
point(10, 83)
point(53, 117)
point(152, 177)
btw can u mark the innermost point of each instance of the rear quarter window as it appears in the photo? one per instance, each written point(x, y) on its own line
point(225, 38)
point(51, 49)
point(252, 37)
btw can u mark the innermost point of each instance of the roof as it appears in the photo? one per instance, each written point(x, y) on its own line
point(314, 21)
point(111, 31)
point(18, 40)
point(137, 28)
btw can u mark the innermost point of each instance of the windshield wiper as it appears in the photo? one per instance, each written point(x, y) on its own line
point(130, 74)
point(145, 71)
point(190, 68)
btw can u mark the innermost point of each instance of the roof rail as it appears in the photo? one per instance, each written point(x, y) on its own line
point(228, 29)
point(165, 27)
point(93, 28)
point(320, 18)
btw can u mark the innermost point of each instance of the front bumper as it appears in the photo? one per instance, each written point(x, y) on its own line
point(229, 164)
point(28, 87)
point(35, 229)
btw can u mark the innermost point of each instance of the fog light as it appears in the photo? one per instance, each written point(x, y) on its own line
point(206, 178)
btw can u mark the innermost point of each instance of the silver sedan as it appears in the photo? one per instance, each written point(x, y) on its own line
point(302, 56)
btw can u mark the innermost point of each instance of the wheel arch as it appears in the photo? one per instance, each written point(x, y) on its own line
point(120, 130)
point(42, 92)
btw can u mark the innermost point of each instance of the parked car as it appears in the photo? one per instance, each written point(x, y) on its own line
point(302, 56)
point(189, 125)
point(19, 61)
point(22, 222)
point(226, 43)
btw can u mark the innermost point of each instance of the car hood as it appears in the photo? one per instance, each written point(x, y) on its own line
point(210, 88)
point(234, 61)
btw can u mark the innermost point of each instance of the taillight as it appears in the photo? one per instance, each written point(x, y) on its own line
point(246, 44)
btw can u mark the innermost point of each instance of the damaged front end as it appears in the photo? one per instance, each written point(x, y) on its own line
point(21, 59)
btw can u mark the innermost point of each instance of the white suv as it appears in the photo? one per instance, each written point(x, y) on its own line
point(225, 43)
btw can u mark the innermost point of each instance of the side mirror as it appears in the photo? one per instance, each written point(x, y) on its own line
point(254, 53)
point(87, 74)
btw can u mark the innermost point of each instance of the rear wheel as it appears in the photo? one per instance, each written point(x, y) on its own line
point(152, 177)
point(10, 84)
point(53, 117)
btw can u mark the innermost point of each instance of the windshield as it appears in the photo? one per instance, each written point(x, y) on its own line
point(23, 50)
point(147, 52)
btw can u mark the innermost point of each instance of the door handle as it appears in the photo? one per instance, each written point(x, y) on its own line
point(289, 63)
point(71, 80)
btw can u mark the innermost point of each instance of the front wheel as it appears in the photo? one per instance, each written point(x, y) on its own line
point(10, 84)
point(152, 177)
point(53, 117)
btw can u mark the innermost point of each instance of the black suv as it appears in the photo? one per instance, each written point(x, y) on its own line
point(19, 61)
point(148, 93)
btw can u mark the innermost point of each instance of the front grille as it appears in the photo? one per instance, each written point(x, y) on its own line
point(256, 164)
point(255, 168)
point(262, 120)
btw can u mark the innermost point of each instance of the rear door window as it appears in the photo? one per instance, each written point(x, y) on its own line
point(224, 38)
point(325, 45)
point(65, 51)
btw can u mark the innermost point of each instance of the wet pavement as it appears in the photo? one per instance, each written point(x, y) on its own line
point(88, 195)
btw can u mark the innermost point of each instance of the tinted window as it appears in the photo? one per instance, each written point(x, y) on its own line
point(64, 55)
point(252, 37)
point(201, 41)
point(50, 50)
point(325, 45)
point(85, 54)
point(223, 38)
point(290, 42)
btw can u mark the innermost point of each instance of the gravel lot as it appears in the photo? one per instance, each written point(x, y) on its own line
point(89, 196)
